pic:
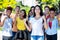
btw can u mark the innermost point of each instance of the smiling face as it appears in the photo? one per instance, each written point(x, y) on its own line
point(37, 10)
point(8, 12)
point(46, 10)
point(21, 14)
point(52, 14)
point(17, 9)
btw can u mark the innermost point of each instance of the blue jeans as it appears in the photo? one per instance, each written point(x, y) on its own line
point(51, 37)
point(37, 37)
point(13, 36)
point(7, 38)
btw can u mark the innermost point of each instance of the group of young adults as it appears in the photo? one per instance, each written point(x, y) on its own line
point(37, 25)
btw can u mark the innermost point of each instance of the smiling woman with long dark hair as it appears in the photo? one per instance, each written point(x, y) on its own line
point(36, 24)
point(31, 12)
point(20, 23)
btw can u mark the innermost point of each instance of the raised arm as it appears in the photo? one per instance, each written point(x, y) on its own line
point(45, 23)
point(14, 24)
point(29, 27)
point(2, 21)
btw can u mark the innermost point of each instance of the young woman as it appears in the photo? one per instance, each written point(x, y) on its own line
point(21, 34)
point(31, 12)
point(36, 24)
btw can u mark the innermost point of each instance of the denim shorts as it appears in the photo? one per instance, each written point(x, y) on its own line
point(37, 37)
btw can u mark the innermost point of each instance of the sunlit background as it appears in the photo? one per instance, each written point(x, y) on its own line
point(26, 4)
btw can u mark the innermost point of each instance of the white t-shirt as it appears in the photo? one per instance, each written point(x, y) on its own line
point(37, 26)
point(7, 27)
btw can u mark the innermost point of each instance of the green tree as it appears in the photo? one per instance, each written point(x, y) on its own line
point(5, 3)
point(54, 3)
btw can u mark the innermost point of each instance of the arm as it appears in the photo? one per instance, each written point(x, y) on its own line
point(2, 22)
point(14, 25)
point(45, 23)
point(29, 28)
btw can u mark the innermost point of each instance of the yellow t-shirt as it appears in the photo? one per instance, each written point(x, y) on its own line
point(20, 24)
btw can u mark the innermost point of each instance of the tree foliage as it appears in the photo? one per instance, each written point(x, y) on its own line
point(5, 3)
point(51, 3)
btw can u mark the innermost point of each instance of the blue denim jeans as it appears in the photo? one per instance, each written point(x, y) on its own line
point(13, 36)
point(7, 38)
point(37, 37)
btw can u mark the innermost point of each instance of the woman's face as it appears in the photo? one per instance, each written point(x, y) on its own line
point(37, 10)
point(32, 10)
point(21, 14)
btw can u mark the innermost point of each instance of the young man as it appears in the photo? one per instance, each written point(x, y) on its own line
point(14, 29)
point(7, 25)
point(52, 22)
